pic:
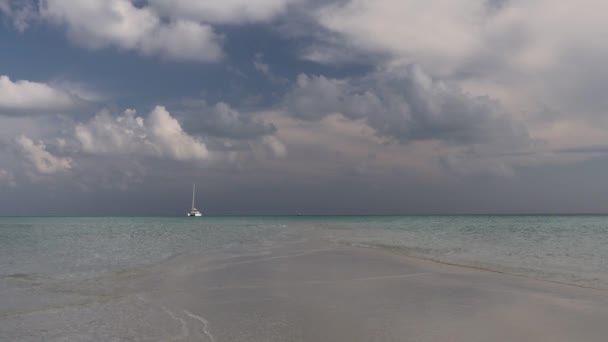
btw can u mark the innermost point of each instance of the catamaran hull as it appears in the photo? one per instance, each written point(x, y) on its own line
point(193, 212)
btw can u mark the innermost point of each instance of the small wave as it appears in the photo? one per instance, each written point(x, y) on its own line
point(19, 276)
point(595, 283)
point(24, 279)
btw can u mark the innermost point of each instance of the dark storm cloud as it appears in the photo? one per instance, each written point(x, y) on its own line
point(406, 105)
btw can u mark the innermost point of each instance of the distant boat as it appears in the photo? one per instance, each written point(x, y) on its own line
point(193, 212)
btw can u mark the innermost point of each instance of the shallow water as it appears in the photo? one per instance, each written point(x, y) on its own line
point(92, 279)
point(570, 249)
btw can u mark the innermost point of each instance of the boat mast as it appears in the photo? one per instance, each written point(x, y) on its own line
point(193, 191)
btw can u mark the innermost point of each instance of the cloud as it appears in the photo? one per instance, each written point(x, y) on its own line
point(446, 36)
point(20, 12)
point(222, 12)
point(114, 151)
point(97, 24)
point(406, 104)
point(437, 33)
point(118, 152)
point(180, 30)
point(535, 54)
point(159, 135)
point(601, 149)
point(223, 121)
point(26, 97)
point(264, 68)
point(229, 132)
point(42, 160)
point(259, 65)
point(7, 178)
point(513, 83)
point(275, 146)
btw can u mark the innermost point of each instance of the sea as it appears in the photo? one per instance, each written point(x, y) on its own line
point(47, 264)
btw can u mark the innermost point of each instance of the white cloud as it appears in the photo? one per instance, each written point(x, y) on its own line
point(26, 97)
point(446, 35)
point(406, 104)
point(541, 50)
point(558, 61)
point(541, 59)
point(222, 11)
point(101, 23)
point(42, 160)
point(176, 30)
point(275, 146)
point(437, 34)
point(159, 135)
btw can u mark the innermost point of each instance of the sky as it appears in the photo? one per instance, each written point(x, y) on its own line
point(116, 107)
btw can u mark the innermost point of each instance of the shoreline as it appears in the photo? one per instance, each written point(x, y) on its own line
point(312, 290)
point(332, 292)
point(400, 252)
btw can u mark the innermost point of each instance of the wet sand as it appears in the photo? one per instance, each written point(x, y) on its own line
point(306, 292)
point(335, 293)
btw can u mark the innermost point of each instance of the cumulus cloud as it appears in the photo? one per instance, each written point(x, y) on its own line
point(406, 104)
point(158, 135)
point(129, 145)
point(26, 97)
point(446, 36)
point(230, 132)
point(223, 121)
point(43, 161)
point(176, 30)
point(532, 53)
point(118, 151)
point(101, 23)
point(440, 33)
point(222, 12)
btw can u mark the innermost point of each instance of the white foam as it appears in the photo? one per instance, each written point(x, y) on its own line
point(185, 332)
point(204, 322)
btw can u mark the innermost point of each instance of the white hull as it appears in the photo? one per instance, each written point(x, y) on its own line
point(193, 212)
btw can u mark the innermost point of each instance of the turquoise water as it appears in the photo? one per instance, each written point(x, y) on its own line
point(85, 247)
point(571, 249)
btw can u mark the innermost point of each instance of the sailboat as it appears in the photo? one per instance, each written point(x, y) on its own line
point(193, 212)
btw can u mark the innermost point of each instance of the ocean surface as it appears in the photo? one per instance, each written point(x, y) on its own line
point(49, 265)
